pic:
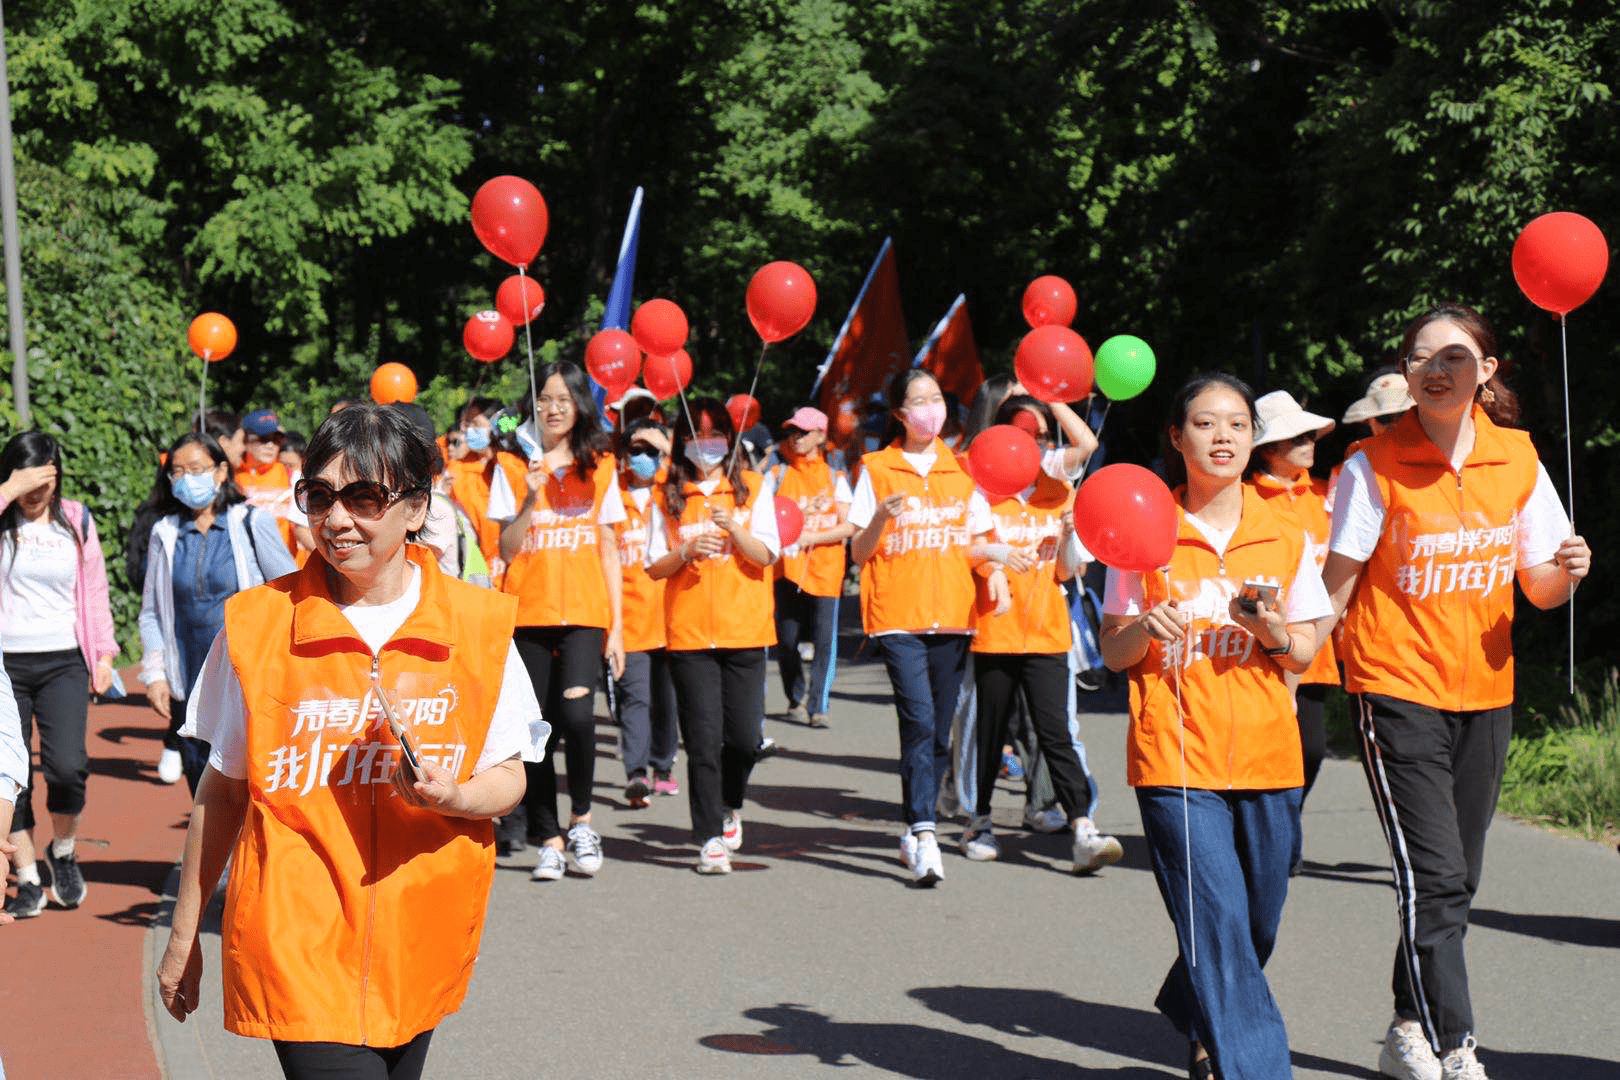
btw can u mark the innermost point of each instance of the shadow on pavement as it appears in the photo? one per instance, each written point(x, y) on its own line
point(1523, 1065)
point(1353, 873)
point(1569, 929)
point(897, 1049)
point(845, 761)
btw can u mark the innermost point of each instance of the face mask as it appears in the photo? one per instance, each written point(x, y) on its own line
point(706, 453)
point(196, 490)
point(477, 438)
point(644, 465)
point(925, 420)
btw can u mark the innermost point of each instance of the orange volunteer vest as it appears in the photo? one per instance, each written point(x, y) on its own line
point(1241, 731)
point(919, 580)
point(269, 487)
point(1431, 620)
point(643, 602)
point(811, 483)
point(469, 486)
point(1038, 621)
point(557, 577)
point(1304, 502)
point(724, 601)
point(353, 917)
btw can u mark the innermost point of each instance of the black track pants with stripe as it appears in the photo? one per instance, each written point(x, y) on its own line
point(1435, 776)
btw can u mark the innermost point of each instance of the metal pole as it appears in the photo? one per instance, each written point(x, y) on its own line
point(8, 217)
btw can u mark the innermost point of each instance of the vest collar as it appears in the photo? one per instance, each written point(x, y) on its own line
point(254, 468)
point(1267, 484)
point(317, 618)
point(1255, 526)
point(944, 458)
point(1413, 446)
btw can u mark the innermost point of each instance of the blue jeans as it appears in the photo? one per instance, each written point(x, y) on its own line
point(926, 672)
point(798, 615)
point(1242, 842)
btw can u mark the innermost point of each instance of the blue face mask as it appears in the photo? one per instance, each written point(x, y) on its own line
point(644, 465)
point(195, 490)
point(477, 438)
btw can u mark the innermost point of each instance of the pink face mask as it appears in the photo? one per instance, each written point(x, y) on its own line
point(925, 421)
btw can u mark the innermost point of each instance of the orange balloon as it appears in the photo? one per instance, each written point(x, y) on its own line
point(393, 383)
point(212, 336)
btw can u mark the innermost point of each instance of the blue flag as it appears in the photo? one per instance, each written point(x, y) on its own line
point(616, 316)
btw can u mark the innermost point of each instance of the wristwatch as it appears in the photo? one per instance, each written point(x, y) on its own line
point(1280, 650)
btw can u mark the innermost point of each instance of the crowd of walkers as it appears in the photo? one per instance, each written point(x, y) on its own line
point(442, 608)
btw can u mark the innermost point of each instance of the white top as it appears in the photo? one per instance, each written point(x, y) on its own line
point(218, 714)
point(13, 751)
point(37, 588)
point(1358, 516)
point(503, 501)
point(1052, 465)
point(863, 506)
point(761, 526)
point(441, 533)
point(1218, 538)
point(1306, 600)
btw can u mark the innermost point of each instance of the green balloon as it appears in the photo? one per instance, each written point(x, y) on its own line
point(1124, 367)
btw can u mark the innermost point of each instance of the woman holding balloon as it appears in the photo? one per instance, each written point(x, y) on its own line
point(563, 566)
point(1213, 749)
point(713, 545)
point(1433, 520)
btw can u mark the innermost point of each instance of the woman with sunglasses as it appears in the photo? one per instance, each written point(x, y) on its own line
point(207, 546)
point(713, 545)
point(366, 717)
point(1280, 473)
point(1433, 521)
point(563, 566)
point(643, 696)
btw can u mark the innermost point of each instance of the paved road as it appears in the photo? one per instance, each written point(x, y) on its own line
point(815, 957)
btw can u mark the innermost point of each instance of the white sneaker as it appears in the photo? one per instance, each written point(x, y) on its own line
point(550, 867)
point(1093, 850)
point(584, 849)
point(979, 842)
point(1461, 1064)
point(920, 853)
point(169, 769)
point(714, 858)
point(1407, 1054)
point(1052, 819)
point(731, 830)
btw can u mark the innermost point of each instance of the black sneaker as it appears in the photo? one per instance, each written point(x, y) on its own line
point(29, 901)
point(67, 881)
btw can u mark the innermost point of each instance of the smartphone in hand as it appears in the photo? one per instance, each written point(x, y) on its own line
point(409, 763)
point(1255, 593)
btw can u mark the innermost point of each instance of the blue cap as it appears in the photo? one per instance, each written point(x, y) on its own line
point(262, 422)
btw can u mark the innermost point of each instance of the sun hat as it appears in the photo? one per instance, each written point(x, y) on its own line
point(1282, 418)
point(807, 419)
point(1386, 396)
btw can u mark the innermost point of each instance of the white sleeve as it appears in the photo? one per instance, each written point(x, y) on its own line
point(1307, 597)
point(502, 500)
point(217, 712)
point(863, 506)
point(516, 727)
point(1123, 593)
point(841, 489)
point(657, 534)
point(13, 751)
point(1052, 464)
point(612, 511)
point(1543, 525)
point(1358, 511)
point(762, 517)
point(979, 518)
point(1077, 553)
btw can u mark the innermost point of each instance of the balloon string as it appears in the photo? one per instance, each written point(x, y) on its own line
point(1186, 817)
point(202, 400)
point(1569, 471)
point(736, 444)
point(528, 344)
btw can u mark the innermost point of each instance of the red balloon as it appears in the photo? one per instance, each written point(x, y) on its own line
point(789, 520)
point(1004, 460)
point(392, 383)
point(1559, 261)
point(781, 299)
point(520, 298)
point(744, 411)
point(1049, 301)
point(667, 376)
point(1126, 517)
point(510, 219)
point(487, 336)
point(614, 360)
point(659, 327)
point(1054, 364)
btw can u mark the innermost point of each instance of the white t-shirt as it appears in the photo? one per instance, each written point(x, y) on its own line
point(441, 533)
point(761, 526)
point(218, 712)
point(37, 588)
point(503, 501)
point(1358, 516)
point(863, 506)
point(1306, 600)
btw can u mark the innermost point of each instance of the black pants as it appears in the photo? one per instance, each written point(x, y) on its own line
point(720, 699)
point(644, 705)
point(54, 688)
point(1435, 777)
point(340, 1061)
point(1310, 701)
point(1045, 682)
point(193, 752)
point(559, 658)
point(800, 616)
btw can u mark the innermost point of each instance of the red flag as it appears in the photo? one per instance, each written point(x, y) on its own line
point(869, 350)
point(951, 355)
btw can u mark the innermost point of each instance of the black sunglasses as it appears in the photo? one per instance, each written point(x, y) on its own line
point(364, 499)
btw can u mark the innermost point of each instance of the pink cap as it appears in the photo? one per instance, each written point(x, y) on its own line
point(807, 419)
